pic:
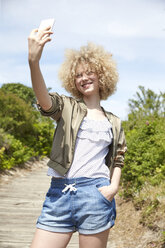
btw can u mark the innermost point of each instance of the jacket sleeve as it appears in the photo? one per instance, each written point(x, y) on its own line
point(120, 150)
point(56, 108)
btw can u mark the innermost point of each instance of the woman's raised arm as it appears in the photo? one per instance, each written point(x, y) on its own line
point(36, 42)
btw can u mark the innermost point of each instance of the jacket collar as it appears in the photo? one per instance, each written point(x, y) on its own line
point(107, 114)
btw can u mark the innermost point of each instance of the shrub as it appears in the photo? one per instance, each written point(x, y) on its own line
point(25, 132)
point(12, 151)
point(145, 160)
point(23, 92)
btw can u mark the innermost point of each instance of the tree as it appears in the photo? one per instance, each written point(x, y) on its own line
point(24, 92)
point(23, 131)
point(16, 116)
point(144, 160)
point(146, 103)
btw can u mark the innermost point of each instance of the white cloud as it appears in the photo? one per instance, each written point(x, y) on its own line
point(131, 29)
point(76, 19)
point(114, 17)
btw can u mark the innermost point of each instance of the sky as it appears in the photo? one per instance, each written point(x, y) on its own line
point(132, 30)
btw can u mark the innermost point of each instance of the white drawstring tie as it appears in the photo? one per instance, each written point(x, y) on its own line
point(70, 187)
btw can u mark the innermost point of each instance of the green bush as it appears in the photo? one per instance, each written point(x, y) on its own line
point(23, 92)
point(145, 160)
point(25, 132)
point(43, 137)
point(16, 116)
point(12, 151)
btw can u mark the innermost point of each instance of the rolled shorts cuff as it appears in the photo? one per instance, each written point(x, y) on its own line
point(99, 230)
point(73, 229)
point(55, 229)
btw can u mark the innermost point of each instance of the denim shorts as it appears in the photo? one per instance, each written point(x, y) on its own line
point(76, 204)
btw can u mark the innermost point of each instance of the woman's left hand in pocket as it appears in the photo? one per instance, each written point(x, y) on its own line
point(108, 192)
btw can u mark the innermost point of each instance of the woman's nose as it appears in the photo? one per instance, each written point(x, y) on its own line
point(84, 77)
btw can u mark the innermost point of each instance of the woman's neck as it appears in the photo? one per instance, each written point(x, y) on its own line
point(92, 102)
point(94, 110)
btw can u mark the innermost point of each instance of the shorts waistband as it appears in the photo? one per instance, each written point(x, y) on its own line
point(79, 181)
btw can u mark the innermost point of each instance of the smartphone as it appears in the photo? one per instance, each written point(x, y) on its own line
point(46, 23)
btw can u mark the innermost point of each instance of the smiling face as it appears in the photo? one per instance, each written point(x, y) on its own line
point(86, 80)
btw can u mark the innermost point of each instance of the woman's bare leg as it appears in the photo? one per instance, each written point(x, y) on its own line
point(46, 239)
point(98, 240)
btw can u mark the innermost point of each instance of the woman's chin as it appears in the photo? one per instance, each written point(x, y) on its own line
point(89, 93)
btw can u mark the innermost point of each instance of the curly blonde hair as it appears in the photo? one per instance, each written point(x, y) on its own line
point(98, 60)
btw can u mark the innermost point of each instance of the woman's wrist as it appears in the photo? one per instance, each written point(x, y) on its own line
point(114, 187)
point(115, 180)
point(33, 63)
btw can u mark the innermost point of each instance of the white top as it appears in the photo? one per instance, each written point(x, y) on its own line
point(91, 148)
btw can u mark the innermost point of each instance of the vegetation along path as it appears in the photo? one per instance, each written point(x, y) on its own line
point(21, 198)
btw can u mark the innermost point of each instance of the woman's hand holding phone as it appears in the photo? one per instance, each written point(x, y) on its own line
point(38, 38)
point(48, 23)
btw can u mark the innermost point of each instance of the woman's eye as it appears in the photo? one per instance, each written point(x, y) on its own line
point(89, 73)
point(78, 75)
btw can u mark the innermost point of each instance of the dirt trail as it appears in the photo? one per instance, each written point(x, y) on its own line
point(21, 196)
point(128, 232)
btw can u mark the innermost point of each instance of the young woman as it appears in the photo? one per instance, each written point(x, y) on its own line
point(88, 147)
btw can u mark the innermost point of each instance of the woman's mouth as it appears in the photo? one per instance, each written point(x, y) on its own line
point(86, 85)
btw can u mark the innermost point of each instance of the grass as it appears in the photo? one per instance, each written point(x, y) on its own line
point(151, 201)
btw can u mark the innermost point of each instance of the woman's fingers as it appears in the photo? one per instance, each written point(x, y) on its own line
point(36, 42)
point(45, 34)
point(33, 32)
point(40, 34)
point(45, 31)
point(45, 40)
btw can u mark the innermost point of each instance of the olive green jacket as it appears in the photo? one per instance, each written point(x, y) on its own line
point(68, 114)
